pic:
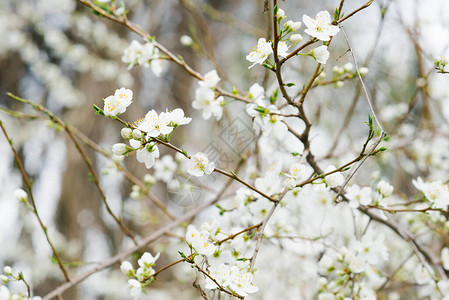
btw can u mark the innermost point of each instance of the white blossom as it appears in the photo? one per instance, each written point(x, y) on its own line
point(321, 26)
point(135, 288)
point(147, 260)
point(335, 179)
point(291, 25)
point(126, 268)
point(436, 192)
point(117, 103)
point(205, 101)
point(186, 40)
point(283, 48)
point(20, 195)
point(221, 273)
point(320, 54)
point(357, 195)
point(242, 282)
point(260, 52)
point(165, 168)
point(120, 149)
point(200, 242)
point(176, 117)
point(385, 188)
point(296, 38)
point(199, 165)
point(210, 79)
point(148, 154)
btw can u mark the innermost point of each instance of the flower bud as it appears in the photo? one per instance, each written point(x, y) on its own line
point(137, 134)
point(126, 268)
point(7, 270)
point(295, 26)
point(280, 14)
point(119, 149)
point(296, 38)
point(149, 179)
point(385, 188)
point(348, 67)
point(20, 195)
point(288, 24)
point(186, 40)
point(339, 84)
point(120, 11)
point(363, 71)
point(126, 133)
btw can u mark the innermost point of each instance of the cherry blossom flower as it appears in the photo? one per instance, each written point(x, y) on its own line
point(199, 165)
point(132, 53)
point(165, 168)
point(259, 53)
point(126, 268)
point(135, 288)
point(298, 173)
point(357, 195)
point(20, 195)
point(147, 260)
point(283, 48)
point(221, 273)
point(210, 79)
point(148, 154)
point(335, 179)
point(296, 38)
point(384, 188)
point(242, 282)
point(120, 149)
point(200, 242)
point(117, 103)
point(146, 55)
point(321, 27)
point(320, 54)
point(205, 101)
point(177, 118)
point(256, 92)
point(436, 192)
point(292, 26)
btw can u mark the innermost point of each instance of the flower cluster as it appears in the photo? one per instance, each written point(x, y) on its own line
point(347, 268)
point(441, 65)
point(239, 281)
point(231, 276)
point(142, 276)
point(205, 98)
point(200, 241)
point(321, 28)
point(142, 137)
point(5, 293)
point(146, 55)
point(346, 72)
point(365, 195)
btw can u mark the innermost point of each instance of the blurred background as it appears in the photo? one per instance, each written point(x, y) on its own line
point(59, 54)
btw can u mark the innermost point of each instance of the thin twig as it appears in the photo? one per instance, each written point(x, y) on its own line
point(33, 204)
